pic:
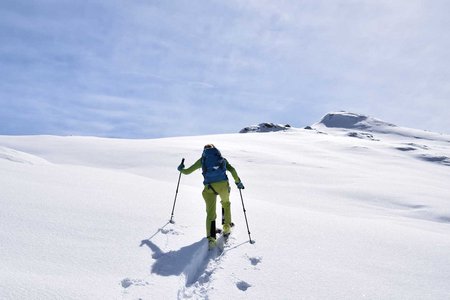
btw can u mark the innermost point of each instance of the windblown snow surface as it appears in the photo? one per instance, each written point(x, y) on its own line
point(339, 211)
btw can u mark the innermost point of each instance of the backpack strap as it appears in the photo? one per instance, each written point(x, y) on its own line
point(210, 187)
point(203, 164)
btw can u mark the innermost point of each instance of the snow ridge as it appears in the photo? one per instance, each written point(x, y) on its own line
point(20, 157)
point(350, 120)
point(358, 125)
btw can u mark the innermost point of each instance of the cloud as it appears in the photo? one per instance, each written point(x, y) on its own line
point(162, 68)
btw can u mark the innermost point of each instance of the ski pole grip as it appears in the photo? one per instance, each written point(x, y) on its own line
point(182, 161)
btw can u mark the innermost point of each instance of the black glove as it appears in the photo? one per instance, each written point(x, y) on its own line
point(240, 185)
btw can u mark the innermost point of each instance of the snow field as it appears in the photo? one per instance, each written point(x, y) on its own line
point(333, 216)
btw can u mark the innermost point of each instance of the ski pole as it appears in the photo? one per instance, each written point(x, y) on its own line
point(246, 222)
point(176, 193)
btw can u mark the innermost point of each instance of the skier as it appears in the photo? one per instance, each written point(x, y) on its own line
point(214, 168)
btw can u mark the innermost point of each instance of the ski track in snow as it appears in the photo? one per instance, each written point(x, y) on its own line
point(195, 266)
point(127, 282)
point(199, 273)
point(198, 278)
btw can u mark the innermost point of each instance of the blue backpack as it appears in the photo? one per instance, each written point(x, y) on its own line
point(214, 166)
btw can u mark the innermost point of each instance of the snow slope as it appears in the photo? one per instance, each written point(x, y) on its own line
point(351, 121)
point(334, 216)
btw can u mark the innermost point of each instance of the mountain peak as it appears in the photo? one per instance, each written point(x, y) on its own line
point(350, 120)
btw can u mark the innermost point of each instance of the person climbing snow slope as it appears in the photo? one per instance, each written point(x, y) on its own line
point(216, 183)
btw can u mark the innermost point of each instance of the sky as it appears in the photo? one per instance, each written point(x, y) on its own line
point(154, 68)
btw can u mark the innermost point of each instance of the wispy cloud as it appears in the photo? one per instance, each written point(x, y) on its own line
point(162, 68)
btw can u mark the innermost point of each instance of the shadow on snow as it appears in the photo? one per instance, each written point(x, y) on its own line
point(191, 260)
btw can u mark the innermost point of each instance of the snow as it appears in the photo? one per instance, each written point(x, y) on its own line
point(351, 120)
point(334, 216)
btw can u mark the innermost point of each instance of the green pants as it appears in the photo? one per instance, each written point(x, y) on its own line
point(210, 192)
